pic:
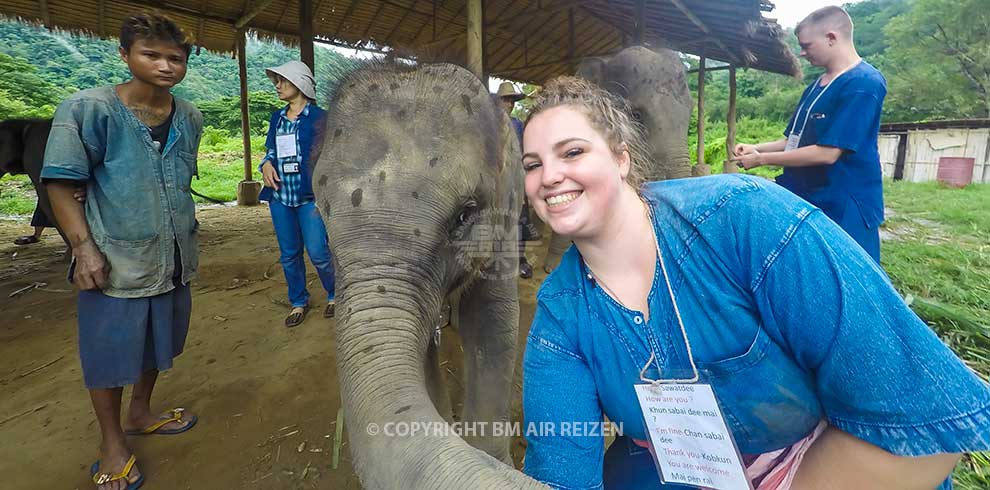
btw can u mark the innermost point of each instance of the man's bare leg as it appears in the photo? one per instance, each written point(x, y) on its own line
point(139, 414)
point(114, 452)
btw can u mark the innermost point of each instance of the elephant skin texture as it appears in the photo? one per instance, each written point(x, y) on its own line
point(419, 183)
point(22, 151)
point(653, 81)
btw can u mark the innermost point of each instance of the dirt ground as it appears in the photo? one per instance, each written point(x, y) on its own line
point(260, 390)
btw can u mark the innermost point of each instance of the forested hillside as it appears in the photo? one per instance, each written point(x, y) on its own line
point(39, 68)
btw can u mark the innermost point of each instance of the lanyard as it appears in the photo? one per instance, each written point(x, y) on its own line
point(813, 102)
point(677, 312)
point(680, 322)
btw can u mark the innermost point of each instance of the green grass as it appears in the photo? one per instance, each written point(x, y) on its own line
point(17, 195)
point(940, 260)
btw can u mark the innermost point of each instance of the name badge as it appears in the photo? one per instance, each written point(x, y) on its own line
point(285, 144)
point(290, 168)
point(691, 443)
point(792, 141)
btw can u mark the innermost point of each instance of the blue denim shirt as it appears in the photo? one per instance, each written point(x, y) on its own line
point(309, 130)
point(788, 319)
point(138, 203)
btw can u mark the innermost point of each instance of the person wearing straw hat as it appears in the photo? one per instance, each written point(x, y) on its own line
point(507, 97)
point(287, 169)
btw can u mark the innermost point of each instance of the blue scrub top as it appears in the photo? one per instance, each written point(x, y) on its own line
point(845, 116)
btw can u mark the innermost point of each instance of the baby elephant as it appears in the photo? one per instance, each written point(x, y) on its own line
point(419, 181)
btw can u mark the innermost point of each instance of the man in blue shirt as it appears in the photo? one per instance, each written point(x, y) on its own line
point(830, 155)
point(134, 242)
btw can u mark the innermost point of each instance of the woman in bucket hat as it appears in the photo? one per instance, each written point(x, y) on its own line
point(287, 170)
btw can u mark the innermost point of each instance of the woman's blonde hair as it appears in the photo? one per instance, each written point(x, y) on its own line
point(608, 114)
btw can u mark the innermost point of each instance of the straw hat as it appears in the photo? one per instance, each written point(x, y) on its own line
point(507, 89)
point(298, 74)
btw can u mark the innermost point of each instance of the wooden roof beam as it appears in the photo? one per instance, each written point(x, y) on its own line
point(534, 12)
point(257, 8)
point(388, 39)
point(367, 29)
point(701, 25)
point(347, 14)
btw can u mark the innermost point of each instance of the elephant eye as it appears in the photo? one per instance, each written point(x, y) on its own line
point(638, 116)
point(467, 211)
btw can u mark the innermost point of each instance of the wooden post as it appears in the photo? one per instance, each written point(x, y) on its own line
point(474, 38)
point(46, 17)
point(640, 23)
point(730, 138)
point(571, 44)
point(247, 190)
point(101, 13)
point(485, 69)
point(701, 111)
point(306, 34)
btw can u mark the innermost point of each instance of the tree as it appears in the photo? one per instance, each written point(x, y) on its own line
point(225, 113)
point(939, 60)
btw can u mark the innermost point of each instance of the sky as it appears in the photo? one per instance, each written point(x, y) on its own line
point(789, 12)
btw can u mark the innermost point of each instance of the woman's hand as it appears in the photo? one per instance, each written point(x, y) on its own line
point(838, 460)
point(269, 175)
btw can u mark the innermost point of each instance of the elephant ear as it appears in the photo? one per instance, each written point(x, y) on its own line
point(592, 69)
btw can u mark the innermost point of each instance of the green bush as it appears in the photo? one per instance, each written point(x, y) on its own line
point(748, 130)
point(225, 112)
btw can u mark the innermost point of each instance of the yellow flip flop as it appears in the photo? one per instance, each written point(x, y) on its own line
point(104, 478)
point(156, 428)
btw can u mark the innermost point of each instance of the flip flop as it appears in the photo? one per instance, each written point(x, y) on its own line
point(157, 427)
point(25, 240)
point(296, 318)
point(330, 309)
point(103, 478)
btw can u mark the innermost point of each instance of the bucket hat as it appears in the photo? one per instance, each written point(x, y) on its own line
point(298, 74)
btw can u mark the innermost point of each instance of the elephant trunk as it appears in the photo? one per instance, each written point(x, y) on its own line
point(672, 163)
point(397, 437)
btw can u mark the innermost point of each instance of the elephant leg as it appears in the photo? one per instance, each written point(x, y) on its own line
point(558, 245)
point(488, 325)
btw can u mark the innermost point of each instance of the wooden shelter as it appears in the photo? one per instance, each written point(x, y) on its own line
point(523, 40)
point(914, 151)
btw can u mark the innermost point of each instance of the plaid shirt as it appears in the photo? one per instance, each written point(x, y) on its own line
point(289, 189)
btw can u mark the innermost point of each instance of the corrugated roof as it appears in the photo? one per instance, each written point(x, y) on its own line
point(527, 40)
point(942, 124)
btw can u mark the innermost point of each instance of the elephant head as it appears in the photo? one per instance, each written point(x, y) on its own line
point(653, 82)
point(419, 182)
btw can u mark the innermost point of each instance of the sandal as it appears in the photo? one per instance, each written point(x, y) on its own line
point(157, 427)
point(104, 478)
point(26, 240)
point(296, 317)
point(330, 309)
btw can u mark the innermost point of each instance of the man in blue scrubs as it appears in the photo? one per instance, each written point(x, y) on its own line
point(830, 155)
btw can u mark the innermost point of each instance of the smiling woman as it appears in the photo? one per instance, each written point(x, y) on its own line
point(728, 284)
